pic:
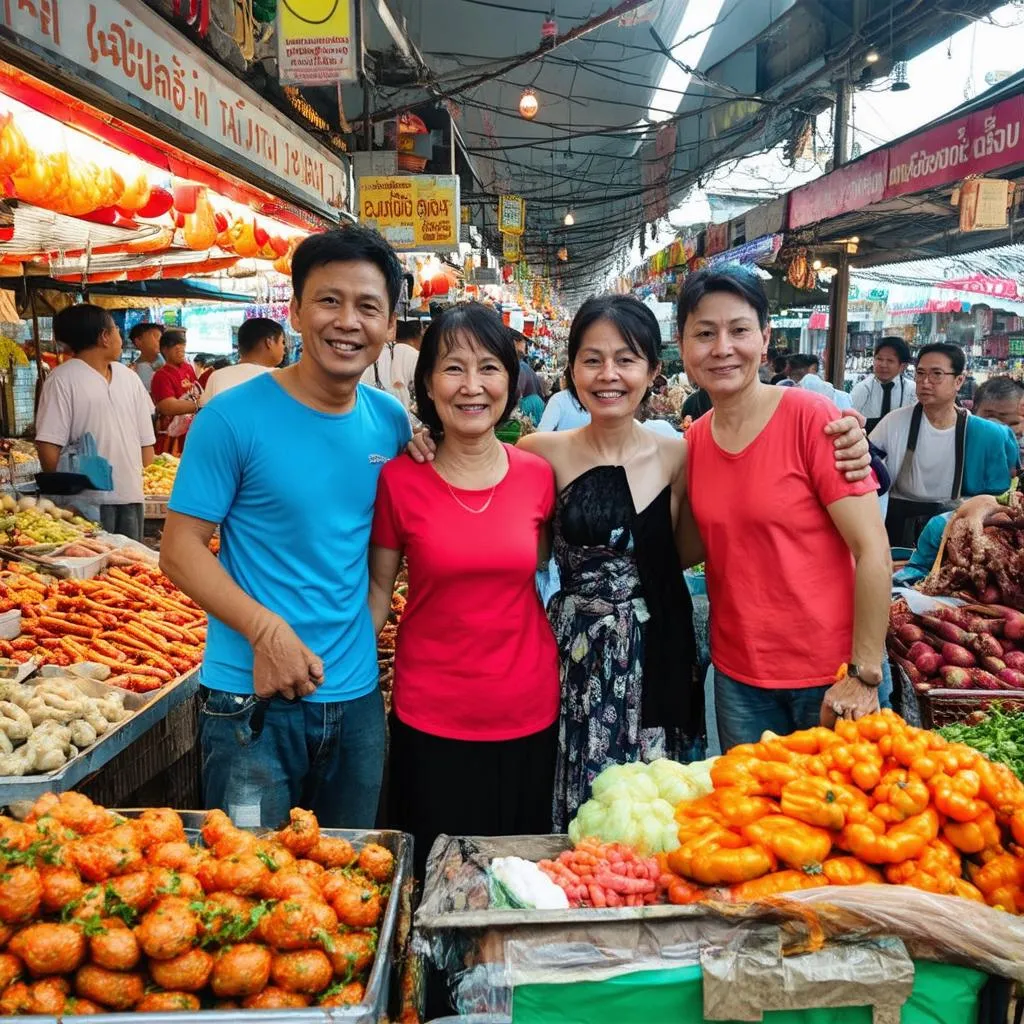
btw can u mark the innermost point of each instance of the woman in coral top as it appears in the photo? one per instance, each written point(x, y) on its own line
point(798, 567)
point(474, 728)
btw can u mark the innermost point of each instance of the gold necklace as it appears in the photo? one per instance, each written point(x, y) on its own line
point(461, 504)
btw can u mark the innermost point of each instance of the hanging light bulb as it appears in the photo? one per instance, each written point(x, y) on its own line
point(528, 105)
point(570, 218)
point(871, 56)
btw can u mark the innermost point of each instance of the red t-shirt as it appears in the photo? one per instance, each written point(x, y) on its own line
point(779, 574)
point(170, 382)
point(475, 657)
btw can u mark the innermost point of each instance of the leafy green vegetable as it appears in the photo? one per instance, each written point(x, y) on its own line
point(999, 736)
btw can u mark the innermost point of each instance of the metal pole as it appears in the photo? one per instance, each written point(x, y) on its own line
point(839, 293)
point(360, 12)
point(841, 128)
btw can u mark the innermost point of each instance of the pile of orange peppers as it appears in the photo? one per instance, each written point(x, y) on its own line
point(876, 800)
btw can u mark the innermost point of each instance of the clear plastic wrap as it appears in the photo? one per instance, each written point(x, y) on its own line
point(832, 946)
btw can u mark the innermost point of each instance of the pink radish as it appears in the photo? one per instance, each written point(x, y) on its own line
point(993, 665)
point(946, 630)
point(1014, 660)
point(984, 645)
point(928, 664)
point(982, 680)
point(955, 678)
point(910, 669)
point(1012, 678)
point(910, 634)
point(917, 649)
point(994, 627)
point(954, 654)
point(958, 616)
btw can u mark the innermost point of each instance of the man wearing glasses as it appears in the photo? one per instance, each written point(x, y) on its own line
point(937, 453)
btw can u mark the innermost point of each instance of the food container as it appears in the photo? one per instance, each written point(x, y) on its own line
point(10, 624)
point(16, 671)
point(79, 568)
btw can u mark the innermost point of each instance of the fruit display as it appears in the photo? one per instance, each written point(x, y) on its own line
point(970, 647)
point(27, 521)
point(635, 803)
point(103, 913)
point(44, 725)
point(131, 620)
point(607, 875)
point(158, 476)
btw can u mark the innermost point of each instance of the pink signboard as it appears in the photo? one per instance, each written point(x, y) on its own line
point(849, 188)
point(981, 284)
point(983, 141)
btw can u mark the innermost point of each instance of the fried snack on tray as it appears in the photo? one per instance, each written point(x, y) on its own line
point(99, 913)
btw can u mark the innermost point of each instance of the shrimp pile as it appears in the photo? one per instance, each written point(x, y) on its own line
point(102, 913)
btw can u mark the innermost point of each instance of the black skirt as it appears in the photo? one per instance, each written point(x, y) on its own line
point(468, 788)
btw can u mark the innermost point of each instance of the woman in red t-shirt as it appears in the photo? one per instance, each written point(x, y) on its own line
point(474, 728)
point(798, 567)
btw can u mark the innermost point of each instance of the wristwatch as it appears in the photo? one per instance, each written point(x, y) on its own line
point(854, 672)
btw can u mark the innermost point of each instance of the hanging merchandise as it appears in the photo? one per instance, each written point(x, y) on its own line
point(510, 247)
point(512, 215)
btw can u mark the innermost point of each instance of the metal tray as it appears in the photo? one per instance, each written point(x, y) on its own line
point(378, 985)
point(153, 708)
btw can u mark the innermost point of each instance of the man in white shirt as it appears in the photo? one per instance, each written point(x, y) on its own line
point(888, 386)
point(94, 394)
point(146, 338)
point(803, 373)
point(395, 367)
point(261, 348)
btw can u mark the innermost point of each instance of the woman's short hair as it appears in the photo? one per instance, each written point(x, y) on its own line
point(636, 324)
point(732, 280)
point(485, 326)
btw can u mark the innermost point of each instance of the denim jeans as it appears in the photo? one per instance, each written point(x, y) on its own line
point(326, 757)
point(744, 712)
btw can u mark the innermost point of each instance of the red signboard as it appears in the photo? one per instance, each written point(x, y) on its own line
point(848, 188)
point(983, 141)
point(980, 284)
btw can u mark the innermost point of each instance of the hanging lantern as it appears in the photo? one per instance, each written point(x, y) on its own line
point(528, 105)
point(570, 218)
point(899, 77)
point(563, 254)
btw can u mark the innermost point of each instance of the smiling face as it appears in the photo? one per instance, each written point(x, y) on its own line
point(469, 388)
point(723, 344)
point(611, 379)
point(343, 317)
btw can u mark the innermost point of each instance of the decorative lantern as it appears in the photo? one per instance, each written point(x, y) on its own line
point(528, 105)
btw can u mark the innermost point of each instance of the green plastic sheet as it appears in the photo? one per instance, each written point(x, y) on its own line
point(942, 994)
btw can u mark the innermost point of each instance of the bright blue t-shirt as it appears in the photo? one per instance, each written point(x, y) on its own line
point(293, 490)
point(991, 456)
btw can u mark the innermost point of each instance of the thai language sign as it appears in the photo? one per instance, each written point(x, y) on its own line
point(414, 212)
point(978, 142)
point(846, 189)
point(315, 42)
point(128, 47)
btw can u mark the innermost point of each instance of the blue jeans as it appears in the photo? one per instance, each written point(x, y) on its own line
point(744, 712)
point(326, 757)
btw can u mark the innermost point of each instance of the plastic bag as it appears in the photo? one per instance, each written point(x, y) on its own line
point(178, 427)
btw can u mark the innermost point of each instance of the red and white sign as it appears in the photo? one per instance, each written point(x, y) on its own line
point(980, 284)
point(846, 189)
point(983, 141)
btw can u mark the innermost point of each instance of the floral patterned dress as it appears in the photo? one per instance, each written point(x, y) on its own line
point(624, 626)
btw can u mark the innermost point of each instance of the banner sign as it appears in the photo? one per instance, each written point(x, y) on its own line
point(149, 65)
point(979, 142)
point(847, 188)
point(981, 284)
point(510, 248)
point(316, 44)
point(761, 250)
point(511, 215)
point(414, 212)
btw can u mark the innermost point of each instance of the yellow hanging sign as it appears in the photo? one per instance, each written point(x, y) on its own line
point(414, 212)
point(512, 215)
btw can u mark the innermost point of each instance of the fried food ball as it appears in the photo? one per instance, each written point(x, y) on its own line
point(15, 999)
point(73, 810)
point(49, 948)
point(117, 990)
point(305, 970)
point(274, 998)
point(136, 889)
point(61, 886)
point(348, 995)
point(301, 834)
point(106, 854)
point(297, 924)
point(333, 852)
point(167, 1002)
point(75, 1007)
point(188, 972)
point(311, 870)
point(222, 836)
point(227, 1004)
point(219, 909)
point(16, 835)
point(288, 885)
point(241, 873)
point(377, 862)
point(275, 856)
point(11, 969)
point(178, 856)
point(168, 929)
point(159, 825)
point(352, 953)
point(49, 996)
point(167, 882)
point(216, 824)
point(116, 948)
point(7, 932)
point(241, 970)
point(92, 903)
point(357, 903)
point(21, 894)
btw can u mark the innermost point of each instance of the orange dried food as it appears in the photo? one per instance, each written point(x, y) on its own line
point(178, 856)
point(105, 854)
point(49, 996)
point(167, 882)
point(351, 953)
point(76, 1007)
point(156, 825)
point(116, 947)
point(241, 970)
point(167, 1002)
point(357, 903)
point(188, 972)
point(304, 970)
point(11, 969)
point(302, 833)
point(134, 889)
point(74, 810)
point(241, 873)
point(117, 990)
point(351, 994)
point(274, 998)
point(377, 861)
point(298, 924)
point(16, 999)
point(336, 852)
point(61, 886)
point(47, 948)
point(168, 929)
point(289, 884)
point(21, 894)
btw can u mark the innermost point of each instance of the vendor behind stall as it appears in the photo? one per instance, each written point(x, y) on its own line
point(175, 390)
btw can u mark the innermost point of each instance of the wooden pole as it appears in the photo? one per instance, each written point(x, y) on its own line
point(838, 300)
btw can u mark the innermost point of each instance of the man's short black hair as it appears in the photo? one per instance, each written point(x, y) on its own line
point(408, 330)
point(143, 328)
point(256, 330)
point(998, 389)
point(804, 361)
point(733, 279)
point(954, 353)
point(170, 338)
point(79, 327)
point(898, 345)
point(351, 244)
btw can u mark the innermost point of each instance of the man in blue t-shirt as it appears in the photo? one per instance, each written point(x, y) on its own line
point(287, 465)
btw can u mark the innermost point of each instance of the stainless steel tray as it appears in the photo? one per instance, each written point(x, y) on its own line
point(154, 707)
point(378, 986)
